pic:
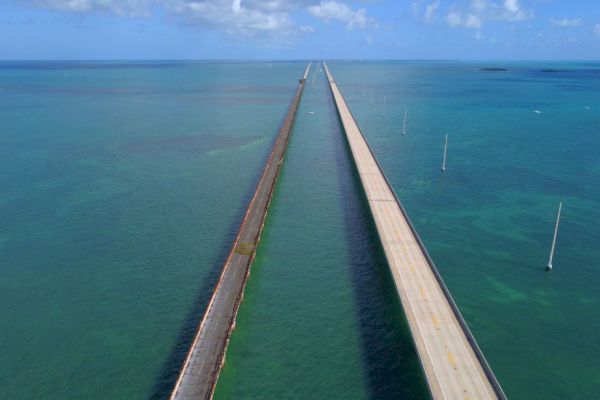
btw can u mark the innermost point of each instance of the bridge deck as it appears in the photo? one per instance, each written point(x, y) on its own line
point(453, 364)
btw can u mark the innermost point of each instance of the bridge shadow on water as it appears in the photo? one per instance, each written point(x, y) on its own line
point(389, 355)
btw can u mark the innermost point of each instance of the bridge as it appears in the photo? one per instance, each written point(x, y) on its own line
point(199, 373)
point(454, 366)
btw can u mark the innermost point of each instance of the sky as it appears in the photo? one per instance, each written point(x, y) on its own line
point(299, 29)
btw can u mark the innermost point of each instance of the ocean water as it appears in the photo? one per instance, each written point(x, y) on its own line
point(123, 185)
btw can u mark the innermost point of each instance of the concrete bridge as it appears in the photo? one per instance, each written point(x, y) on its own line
point(205, 358)
point(454, 365)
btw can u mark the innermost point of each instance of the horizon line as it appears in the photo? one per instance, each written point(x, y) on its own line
point(295, 59)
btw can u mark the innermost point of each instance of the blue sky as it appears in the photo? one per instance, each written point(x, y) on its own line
point(299, 29)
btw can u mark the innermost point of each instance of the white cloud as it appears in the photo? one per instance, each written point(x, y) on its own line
point(512, 10)
point(335, 10)
point(233, 17)
point(509, 10)
point(512, 5)
point(479, 11)
point(278, 5)
point(457, 19)
point(430, 11)
point(597, 31)
point(139, 7)
point(454, 19)
point(566, 22)
point(426, 13)
point(246, 18)
point(472, 21)
point(134, 8)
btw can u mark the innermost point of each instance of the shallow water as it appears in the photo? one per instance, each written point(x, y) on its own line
point(112, 235)
point(121, 189)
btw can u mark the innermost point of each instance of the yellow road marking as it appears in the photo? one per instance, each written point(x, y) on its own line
point(451, 359)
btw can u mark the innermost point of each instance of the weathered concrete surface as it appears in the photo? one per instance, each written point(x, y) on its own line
point(203, 363)
point(454, 366)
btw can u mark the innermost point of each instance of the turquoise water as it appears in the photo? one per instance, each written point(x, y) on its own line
point(113, 235)
point(121, 187)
